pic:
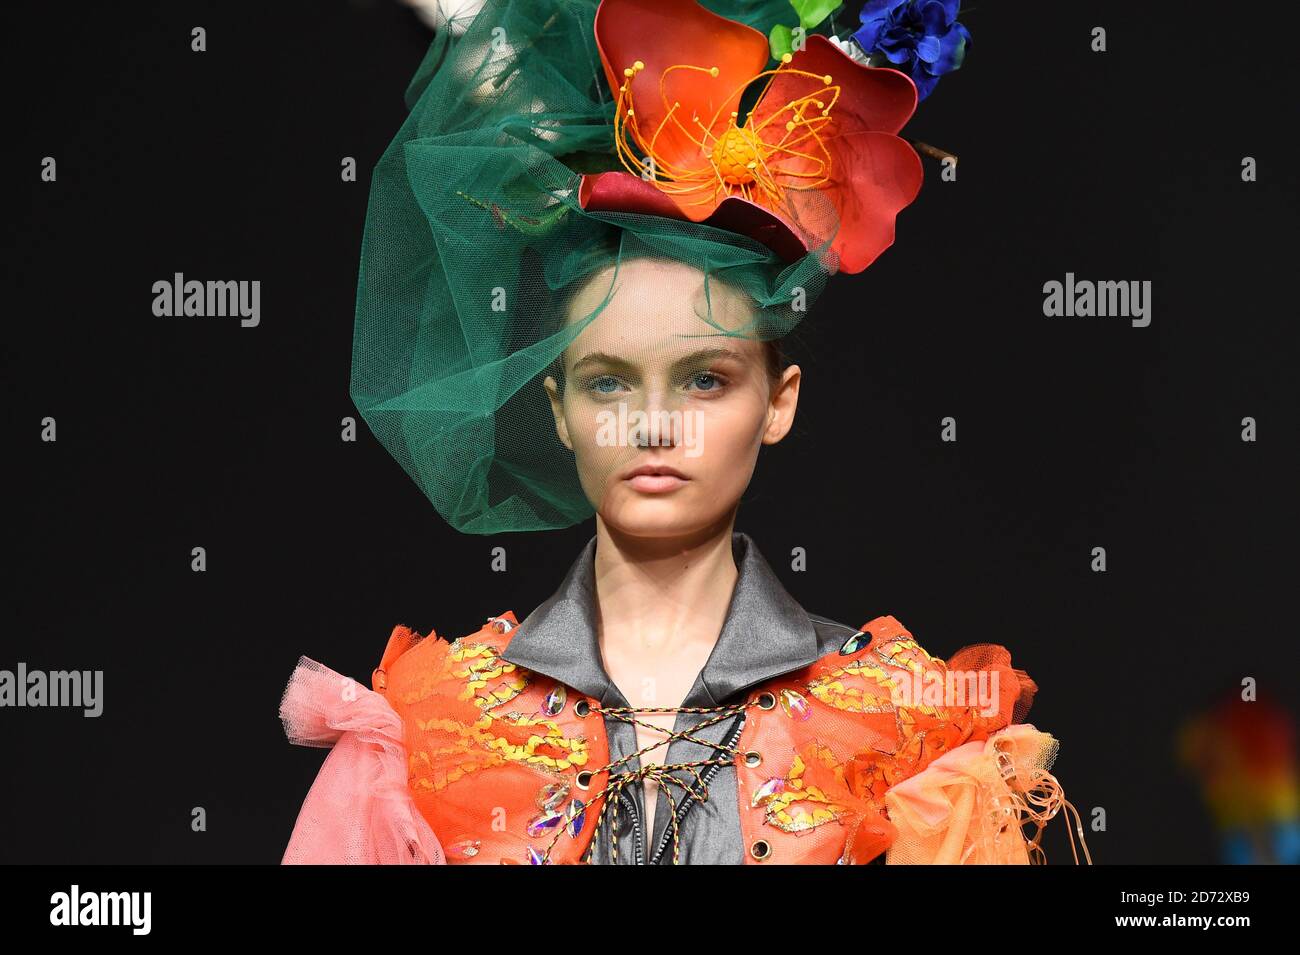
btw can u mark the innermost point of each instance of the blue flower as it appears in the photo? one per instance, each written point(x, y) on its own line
point(919, 37)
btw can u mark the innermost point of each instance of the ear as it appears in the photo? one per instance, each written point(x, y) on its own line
point(557, 411)
point(781, 406)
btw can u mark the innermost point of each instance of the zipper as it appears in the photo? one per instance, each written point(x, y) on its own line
point(625, 800)
point(636, 830)
point(705, 778)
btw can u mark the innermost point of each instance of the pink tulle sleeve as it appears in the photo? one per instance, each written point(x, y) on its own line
point(359, 810)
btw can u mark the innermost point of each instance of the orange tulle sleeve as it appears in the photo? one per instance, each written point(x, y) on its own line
point(970, 806)
point(975, 788)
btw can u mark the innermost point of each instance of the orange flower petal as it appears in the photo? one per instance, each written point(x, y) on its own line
point(871, 97)
point(664, 33)
point(873, 173)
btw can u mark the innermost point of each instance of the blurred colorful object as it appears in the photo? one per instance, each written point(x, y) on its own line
point(1245, 756)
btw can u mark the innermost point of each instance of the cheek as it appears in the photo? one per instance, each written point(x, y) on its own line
point(582, 416)
point(596, 459)
point(732, 428)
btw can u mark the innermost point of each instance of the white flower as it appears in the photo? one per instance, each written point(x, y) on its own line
point(456, 14)
point(852, 49)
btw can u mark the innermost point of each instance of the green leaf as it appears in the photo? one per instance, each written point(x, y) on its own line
point(781, 40)
point(813, 12)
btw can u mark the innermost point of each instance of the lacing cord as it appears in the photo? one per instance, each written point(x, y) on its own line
point(1037, 802)
point(660, 773)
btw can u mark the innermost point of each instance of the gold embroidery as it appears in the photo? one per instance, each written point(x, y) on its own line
point(475, 673)
point(799, 807)
point(870, 693)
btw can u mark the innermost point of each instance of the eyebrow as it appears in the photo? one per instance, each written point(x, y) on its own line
point(691, 359)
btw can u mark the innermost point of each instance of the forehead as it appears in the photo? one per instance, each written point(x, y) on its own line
point(659, 310)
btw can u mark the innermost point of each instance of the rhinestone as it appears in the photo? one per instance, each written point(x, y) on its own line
point(552, 795)
point(856, 642)
point(766, 791)
point(554, 701)
point(794, 705)
point(547, 820)
point(577, 816)
point(466, 847)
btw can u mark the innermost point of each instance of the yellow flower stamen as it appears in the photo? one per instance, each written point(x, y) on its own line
point(734, 160)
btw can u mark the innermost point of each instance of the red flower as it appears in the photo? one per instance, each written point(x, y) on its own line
point(817, 158)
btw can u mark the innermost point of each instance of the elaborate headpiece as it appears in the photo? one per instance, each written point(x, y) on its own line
point(551, 141)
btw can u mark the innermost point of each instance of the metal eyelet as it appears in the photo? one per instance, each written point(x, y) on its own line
point(583, 779)
point(760, 849)
point(753, 758)
point(765, 701)
point(582, 708)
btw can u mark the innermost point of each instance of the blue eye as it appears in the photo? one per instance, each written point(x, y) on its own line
point(595, 384)
point(706, 376)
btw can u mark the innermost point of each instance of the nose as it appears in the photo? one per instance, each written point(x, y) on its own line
point(659, 424)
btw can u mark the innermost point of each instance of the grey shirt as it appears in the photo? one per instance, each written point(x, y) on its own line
point(766, 634)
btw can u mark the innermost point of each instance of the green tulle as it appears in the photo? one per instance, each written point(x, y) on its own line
point(474, 234)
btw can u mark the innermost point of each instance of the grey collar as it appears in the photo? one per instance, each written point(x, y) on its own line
point(766, 634)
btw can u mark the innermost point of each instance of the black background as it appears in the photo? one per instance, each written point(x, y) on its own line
point(1073, 432)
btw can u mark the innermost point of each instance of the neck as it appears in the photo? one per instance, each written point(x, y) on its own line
point(659, 593)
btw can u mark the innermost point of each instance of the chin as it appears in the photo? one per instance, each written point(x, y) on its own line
point(642, 515)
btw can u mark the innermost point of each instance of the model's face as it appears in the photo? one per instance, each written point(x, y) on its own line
point(650, 385)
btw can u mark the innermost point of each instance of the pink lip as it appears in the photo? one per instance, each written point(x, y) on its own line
point(656, 483)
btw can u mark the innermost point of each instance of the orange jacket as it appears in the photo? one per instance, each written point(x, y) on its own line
point(878, 747)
